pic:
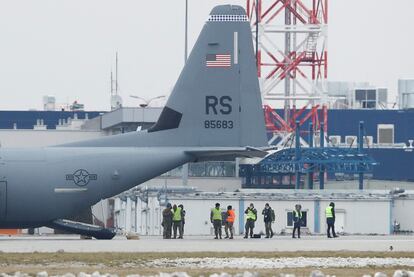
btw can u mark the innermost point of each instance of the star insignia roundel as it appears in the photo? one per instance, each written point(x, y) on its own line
point(81, 177)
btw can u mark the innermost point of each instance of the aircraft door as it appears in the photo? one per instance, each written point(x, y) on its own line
point(3, 200)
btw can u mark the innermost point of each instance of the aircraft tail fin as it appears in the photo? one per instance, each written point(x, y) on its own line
point(216, 100)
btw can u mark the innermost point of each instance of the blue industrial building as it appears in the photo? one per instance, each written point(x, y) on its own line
point(394, 158)
point(345, 122)
point(27, 119)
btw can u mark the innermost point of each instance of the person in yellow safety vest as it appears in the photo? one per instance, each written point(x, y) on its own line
point(330, 220)
point(251, 218)
point(297, 220)
point(216, 219)
point(177, 222)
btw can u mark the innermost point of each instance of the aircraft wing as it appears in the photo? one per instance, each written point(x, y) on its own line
point(225, 153)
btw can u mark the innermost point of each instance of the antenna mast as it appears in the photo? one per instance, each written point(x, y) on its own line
point(116, 100)
point(116, 73)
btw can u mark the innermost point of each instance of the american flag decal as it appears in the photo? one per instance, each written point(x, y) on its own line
point(218, 60)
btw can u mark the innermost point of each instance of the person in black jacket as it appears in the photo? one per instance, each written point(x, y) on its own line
point(297, 220)
point(268, 217)
point(167, 221)
point(182, 218)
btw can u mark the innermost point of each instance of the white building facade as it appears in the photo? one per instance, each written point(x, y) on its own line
point(370, 212)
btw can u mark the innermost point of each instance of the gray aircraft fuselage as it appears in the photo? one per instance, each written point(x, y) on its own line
point(41, 185)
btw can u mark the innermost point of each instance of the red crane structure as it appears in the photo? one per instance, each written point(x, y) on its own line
point(292, 59)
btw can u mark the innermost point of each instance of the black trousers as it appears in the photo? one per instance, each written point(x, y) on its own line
point(177, 226)
point(167, 230)
point(249, 228)
point(331, 226)
point(229, 227)
point(296, 226)
point(217, 228)
point(269, 231)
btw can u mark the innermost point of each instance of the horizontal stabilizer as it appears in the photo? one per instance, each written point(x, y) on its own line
point(225, 153)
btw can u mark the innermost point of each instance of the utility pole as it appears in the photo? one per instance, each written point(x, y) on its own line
point(116, 73)
point(360, 151)
point(184, 170)
point(186, 33)
point(297, 155)
point(257, 34)
point(322, 167)
point(310, 174)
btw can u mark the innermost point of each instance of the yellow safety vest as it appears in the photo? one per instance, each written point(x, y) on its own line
point(328, 212)
point(251, 215)
point(297, 214)
point(216, 214)
point(177, 215)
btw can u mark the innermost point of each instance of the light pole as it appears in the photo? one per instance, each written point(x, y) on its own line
point(186, 32)
point(146, 101)
point(185, 166)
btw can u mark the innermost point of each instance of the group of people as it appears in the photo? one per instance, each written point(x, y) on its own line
point(218, 218)
point(173, 220)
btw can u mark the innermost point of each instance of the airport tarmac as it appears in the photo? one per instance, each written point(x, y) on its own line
point(28, 244)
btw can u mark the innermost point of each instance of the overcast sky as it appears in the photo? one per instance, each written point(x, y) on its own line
point(66, 48)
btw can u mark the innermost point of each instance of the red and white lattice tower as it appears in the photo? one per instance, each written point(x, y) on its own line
point(292, 57)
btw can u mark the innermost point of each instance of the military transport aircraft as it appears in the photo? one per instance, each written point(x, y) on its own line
point(214, 113)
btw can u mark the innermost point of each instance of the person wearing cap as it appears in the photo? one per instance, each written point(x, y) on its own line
point(330, 220)
point(297, 220)
point(251, 218)
point(268, 218)
point(216, 219)
point(231, 216)
point(167, 221)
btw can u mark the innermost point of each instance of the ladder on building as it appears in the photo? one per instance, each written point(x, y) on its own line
point(310, 46)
